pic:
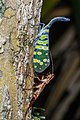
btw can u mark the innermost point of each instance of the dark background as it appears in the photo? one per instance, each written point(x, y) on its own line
point(61, 97)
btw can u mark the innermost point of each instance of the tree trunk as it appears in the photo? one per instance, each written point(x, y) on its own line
point(18, 28)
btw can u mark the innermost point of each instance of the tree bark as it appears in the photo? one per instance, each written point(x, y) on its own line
point(18, 20)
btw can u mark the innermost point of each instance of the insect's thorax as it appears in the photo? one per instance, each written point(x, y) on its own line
point(42, 42)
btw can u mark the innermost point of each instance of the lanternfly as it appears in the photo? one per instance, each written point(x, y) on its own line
point(41, 58)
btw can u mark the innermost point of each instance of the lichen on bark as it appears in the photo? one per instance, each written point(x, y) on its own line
point(6, 107)
point(7, 77)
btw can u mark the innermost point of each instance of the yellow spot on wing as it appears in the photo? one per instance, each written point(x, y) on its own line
point(35, 66)
point(45, 48)
point(38, 61)
point(45, 42)
point(34, 60)
point(46, 54)
point(39, 53)
point(36, 46)
point(44, 60)
point(41, 63)
point(42, 42)
point(46, 30)
point(39, 47)
point(44, 36)
point(34, 53)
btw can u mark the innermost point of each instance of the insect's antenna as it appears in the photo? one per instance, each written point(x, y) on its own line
point(52, 63)
point(64, 19)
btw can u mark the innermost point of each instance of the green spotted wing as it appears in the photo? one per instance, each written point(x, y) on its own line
point(41, 52)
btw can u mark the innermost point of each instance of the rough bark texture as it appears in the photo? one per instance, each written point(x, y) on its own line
point(18, 20)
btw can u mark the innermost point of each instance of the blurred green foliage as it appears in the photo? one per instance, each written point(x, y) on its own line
point(48, 5)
